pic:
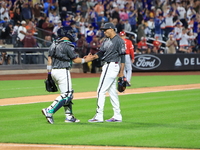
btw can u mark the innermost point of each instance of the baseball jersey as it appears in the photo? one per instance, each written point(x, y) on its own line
point(169, 21)
point(156, 44)
point(142, 45)
point(178, 31)
point(181, 11)
point(129, 48)
point(90, 34)
point(184, 40)
point(62, 52)
point(191, 25)
point(21, 35)
point(112, 49)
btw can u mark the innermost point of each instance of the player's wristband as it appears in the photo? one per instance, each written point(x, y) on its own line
point(82, 61)
point(49, 67)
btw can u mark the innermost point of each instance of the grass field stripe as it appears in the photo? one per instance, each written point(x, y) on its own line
point(158, 91)
point(40, 87)
point(35, 146)
point(87, 97)
point(23, 88)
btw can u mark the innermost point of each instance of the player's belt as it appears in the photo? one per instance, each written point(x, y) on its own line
point(111, 62)
point(62, 68)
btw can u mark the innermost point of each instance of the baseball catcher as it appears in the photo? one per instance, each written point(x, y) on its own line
point(121, 87)
point(50, 84)
point(61, 54)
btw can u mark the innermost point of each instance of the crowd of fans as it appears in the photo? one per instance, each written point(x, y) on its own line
point(176, 23)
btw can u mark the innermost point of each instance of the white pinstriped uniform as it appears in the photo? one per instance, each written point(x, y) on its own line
point(111, 49)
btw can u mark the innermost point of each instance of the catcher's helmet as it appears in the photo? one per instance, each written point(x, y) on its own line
point(67, 32)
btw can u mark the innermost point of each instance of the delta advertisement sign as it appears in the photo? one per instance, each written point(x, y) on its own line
point(166, 62)
point(187, 61)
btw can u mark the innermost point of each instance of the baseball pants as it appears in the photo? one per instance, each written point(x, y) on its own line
point(128, 68)
point(108, 84)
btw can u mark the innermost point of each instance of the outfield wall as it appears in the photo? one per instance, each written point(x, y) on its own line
point(28, 61)
point(37, 60)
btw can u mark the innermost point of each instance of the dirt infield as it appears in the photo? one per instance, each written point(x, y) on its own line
point(46, 98)
point(35, 99)
point(11, 146)
point(87, 75)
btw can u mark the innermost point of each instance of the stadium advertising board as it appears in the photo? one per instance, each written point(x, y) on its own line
point(166, 62)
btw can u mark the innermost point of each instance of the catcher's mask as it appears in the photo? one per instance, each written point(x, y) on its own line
point(67, 32)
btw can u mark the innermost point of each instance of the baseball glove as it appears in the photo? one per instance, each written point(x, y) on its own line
point(50, 84)
point(121, 87)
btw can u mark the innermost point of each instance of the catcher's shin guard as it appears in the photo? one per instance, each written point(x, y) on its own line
point(63, 99)
point(68, 105)
point(68, 108)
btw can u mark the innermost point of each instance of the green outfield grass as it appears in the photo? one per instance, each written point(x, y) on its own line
point(19, 88)
point(163, 119)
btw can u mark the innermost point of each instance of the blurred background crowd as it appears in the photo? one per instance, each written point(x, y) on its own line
point(154, 26)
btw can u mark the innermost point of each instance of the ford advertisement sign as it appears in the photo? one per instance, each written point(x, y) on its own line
point(146, 62)
point(166, 62)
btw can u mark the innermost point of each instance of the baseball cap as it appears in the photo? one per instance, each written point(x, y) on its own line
point(122, 33)
point(108, 25)
point(23, 22)
point(178, 23)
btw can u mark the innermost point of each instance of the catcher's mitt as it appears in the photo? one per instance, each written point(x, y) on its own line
point(50, 84)
point(121, 86)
